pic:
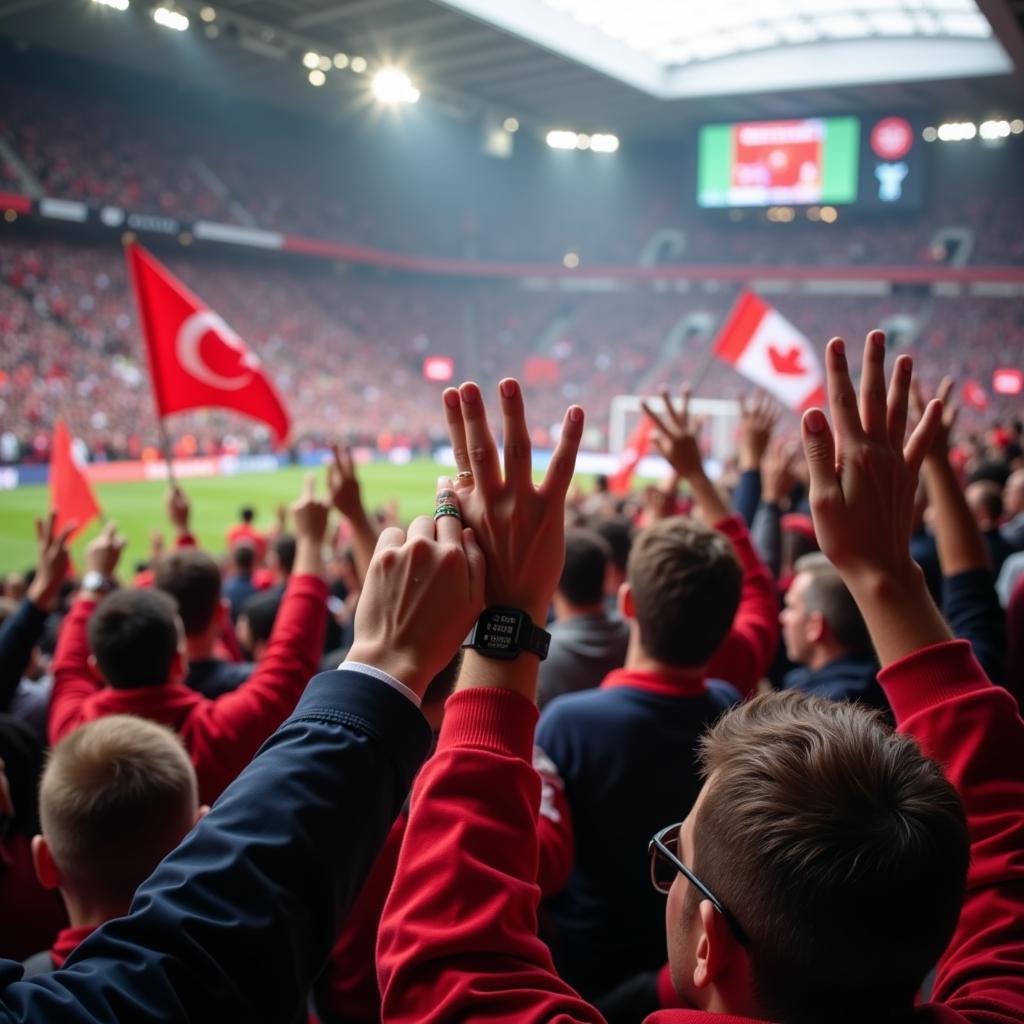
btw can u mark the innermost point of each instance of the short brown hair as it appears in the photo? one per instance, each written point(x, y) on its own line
point(134, 637)
point(840, 848)
point(117, 795)
point(686, 583)
point(826, 593)
point(192, 578)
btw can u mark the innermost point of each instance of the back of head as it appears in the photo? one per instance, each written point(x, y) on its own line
point(826, 594)
point(247, 514)
point(260, 612)
point(134, 637)
point(583, 573)
point(192, 578)
point(686, 583)
point(985, 498)
point(841, 849)
point(284, 553)
point(618, 535)
point(116, 797)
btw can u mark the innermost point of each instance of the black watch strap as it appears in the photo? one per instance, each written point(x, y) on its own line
point(505, 633)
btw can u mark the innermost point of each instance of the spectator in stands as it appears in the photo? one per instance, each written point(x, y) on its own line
point(1013, 510)
point(238, 586)
point(824, 633)
point(245, 533)
point(280, 560)
point(138, 643)
point(823, 871)
point(617, 532)
point(117, 796)
point(586, 642)
point(256, 623)
point(985, 499)
point(701, 609)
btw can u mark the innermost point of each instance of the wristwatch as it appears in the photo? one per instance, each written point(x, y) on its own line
point(505, 633)
point(94, 582)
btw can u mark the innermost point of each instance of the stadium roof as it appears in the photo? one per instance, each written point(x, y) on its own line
point(577, 64)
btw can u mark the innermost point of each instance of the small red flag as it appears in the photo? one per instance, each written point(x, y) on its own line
point(71, 495)
point(196, 360)
point(636, 448)
point(974, 395)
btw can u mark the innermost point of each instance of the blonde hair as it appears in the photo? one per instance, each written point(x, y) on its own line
point(117, 795)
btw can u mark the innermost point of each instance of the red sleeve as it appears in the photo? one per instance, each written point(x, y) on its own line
point(941, 696)
point(458, 940)
point(73, 678)
point(554, 828)
point(746, 653)
point(224, 734)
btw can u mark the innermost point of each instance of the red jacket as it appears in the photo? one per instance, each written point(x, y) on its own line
point(458, 940)
point(30, 916)
point(348, 990)
point(220, 735)
point(744, 656)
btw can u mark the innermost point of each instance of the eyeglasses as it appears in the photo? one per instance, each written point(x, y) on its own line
point(665, 865)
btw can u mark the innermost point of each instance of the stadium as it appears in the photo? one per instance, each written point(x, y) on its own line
point(251, 243)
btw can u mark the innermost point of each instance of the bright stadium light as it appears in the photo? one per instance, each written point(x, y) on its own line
point(571, 260)
point(117, 5)
point(957, 131)
point(1017, 126)
point(393, 86)
point(990, 130)
point(341, 60)
point(582, 141)
point(929, 134)
point(311, 60)
point(559, 138)
point(167, 18)
point(602, 143)
point(317, 77)
point(207, 14)
point(358, 65)
point(511, 124)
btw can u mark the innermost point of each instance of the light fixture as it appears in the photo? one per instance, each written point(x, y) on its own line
point(311, 60)
point(582, 141)
point(341, 60)
point(511, 124)
point(165, 17)
point(571, 260)
point(957, 131)
point(990, 130)
point(929, 134)
point(317, 77)
point(358, 65)
point(604, 143)
point(117, 5)
point(207, 14)
point(324, 64)
point(390, 85)
point(829, 214)
point(559, 138)
point(1017, 126)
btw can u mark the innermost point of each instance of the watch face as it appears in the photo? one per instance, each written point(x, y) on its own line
point(498, 631)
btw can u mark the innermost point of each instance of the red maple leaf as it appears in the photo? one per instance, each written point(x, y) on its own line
point(788, 364)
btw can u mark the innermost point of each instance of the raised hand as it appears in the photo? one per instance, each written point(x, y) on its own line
point(677, 435)
point(53, 563)
point(778, 474)
point(104, 552)
point(939, 448)
point(519, 526)
point(309, 514)
point(759, 415)
point(178, 509)
point(862, 483)
point(423, 592)
point(343, 484)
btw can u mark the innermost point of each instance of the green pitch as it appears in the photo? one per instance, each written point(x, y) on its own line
point(138, 508)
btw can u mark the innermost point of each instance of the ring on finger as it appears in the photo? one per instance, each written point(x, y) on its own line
point(447, 510)
point(445, 497)
point(464, 474)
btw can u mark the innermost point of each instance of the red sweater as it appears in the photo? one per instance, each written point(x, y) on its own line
point(348, 990)
point(221, 735)
point(458, 940)
point(744, 656)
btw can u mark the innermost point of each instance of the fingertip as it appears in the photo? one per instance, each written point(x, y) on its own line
point(451, 397)
point(814, 421)
point(469, 392)
point(576, 414)
point(508, 387)
point(837, 347)
point(877, 340)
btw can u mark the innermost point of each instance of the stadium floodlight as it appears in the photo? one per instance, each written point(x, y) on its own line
point(571, 260)
point(1017, 126)
point(957, 131)
point(990, 130)
point(207, 14)
point(358, 65)
point(829, 214)
point(559, 138)
point(324, 64)
point(165, 17)
point(117, 5)
point(929, 134)
point(317, 77)
point(582, 141)
point(511, 124)
point(311, 60)
point(341, 60)
point(391, 85)
point(604, 143)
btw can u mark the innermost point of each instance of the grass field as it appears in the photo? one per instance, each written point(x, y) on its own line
point(138, 508)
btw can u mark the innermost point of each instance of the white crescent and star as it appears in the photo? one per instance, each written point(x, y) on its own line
point(190, 334)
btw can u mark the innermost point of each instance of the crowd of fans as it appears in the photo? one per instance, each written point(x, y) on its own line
point(727, 656)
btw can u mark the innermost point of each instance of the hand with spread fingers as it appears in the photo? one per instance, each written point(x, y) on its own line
point(778, 474)
point(759, 415)
point(939, 449)
point(519, 526)
point(422, 594)
point(862, 483)
point(346, 496)
point(53, 563)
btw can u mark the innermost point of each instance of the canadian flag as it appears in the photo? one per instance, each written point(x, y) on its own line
point(767, 349)
point(196, 360)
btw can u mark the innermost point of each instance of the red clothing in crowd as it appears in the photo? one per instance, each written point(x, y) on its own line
point(458, 940)
point(66, 941)
point(31, 914)
point(348, 990)
point(221, 735)
point(244, 533)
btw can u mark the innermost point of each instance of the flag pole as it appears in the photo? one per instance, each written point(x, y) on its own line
point(165, 447)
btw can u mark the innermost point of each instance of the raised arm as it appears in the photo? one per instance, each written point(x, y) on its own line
point(346, 497)
point(863, 480)
point(759, 415)
point(465, 946)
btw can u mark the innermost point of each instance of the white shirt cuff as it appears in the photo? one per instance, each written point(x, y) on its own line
point(369, 670)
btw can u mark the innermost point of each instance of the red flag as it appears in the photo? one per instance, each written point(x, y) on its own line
point(974, 395)
point(765, 347)
point(636, 448)
point(71, 495)
point(195, 359)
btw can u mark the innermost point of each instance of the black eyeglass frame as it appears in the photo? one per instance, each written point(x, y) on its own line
point(658, 847)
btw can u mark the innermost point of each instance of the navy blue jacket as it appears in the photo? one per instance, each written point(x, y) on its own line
point(18, 635)
point(238, 921)
point(626, 757)
point(971, 606)
point(852, 677)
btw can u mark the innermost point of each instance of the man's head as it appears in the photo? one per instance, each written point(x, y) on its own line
point(682, 590)
point(117, 796)
point(985, 499)
point(247, 514)
point(841, 851)
point(581, 585)
point(137, 639)
point(1013, 494)
point(618, 535)
point(243, 559)
point(820, 620)
point(256, 623)
point(282, 555)
point(192, 578)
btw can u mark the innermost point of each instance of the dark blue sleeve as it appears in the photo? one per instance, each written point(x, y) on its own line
point(971, 607)
point(237, 922)
point(18, 635)
point(747, 495)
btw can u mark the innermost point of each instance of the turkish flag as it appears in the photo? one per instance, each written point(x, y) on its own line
point(196, 361)
point(766, 348)
point(71, 495)
point(636, 448)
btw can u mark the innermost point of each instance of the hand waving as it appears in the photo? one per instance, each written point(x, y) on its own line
point(53, 563)
point(759, 415)
point(677, 435)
